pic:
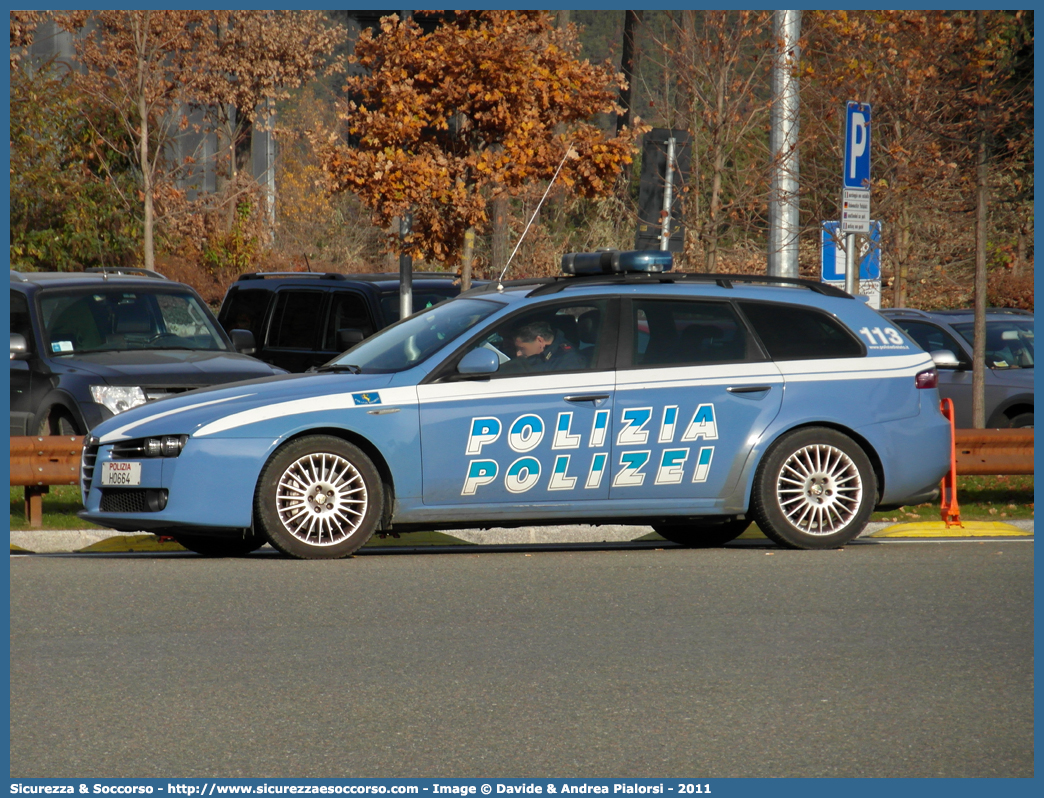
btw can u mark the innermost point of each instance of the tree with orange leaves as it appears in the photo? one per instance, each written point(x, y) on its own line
point(486, 104)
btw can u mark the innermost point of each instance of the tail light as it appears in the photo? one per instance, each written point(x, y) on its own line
point(927, 379)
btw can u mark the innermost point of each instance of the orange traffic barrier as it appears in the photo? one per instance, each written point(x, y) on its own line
point(950, 510)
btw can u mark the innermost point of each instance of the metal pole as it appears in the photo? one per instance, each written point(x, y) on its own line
point(783, 202)
point(852, 263)
point(405, 261)
point(405, 270)
point(270, 176)
point(668, 192)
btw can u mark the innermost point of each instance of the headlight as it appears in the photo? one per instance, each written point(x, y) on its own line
point(165, 446)
point(118, 398)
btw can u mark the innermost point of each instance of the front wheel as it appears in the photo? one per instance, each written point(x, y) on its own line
point(700, 535)
point(815, 489)
point(319, 498)
point(60, 423)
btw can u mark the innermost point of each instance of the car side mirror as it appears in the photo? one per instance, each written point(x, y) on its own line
point(347, 337)
point(19, 347)
point(243, 341)
point(479, 361)
point(945, 359)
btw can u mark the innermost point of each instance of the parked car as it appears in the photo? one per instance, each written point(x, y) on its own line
point(303, 319)
point(1009, 360)
point(694, 403)
point(86, 346)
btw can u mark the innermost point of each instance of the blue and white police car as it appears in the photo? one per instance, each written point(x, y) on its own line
point(619, 392)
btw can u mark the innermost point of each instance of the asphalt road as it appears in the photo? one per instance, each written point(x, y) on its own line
point(883, 659)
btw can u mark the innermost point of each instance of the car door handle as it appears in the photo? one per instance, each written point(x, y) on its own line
point(749, 388)
point(593, 398)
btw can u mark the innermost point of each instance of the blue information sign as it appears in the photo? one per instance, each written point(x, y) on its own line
point(834, 258)
point(857, 146)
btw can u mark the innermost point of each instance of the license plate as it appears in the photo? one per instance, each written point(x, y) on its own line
point(121, 473)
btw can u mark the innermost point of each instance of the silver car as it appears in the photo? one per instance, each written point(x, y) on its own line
point(1009, 360)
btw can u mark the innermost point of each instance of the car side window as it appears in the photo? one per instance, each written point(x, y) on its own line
point(246, 311)
point(930, 338)
point(685, 333)
point(790, 332)
point(348, 311)
point(295, 323)
point(20, 320)
point(565, 337)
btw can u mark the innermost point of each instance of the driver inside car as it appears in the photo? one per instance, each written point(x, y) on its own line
point(539, 347)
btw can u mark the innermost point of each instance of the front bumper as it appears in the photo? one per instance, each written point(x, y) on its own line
point(211, 484)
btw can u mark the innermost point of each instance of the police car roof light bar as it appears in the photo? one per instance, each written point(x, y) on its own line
point(555, 285)
point(650, 261)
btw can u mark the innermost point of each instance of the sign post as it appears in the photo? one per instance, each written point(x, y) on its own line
point(855, 193)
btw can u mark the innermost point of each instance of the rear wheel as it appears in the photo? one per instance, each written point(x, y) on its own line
point(319, 497)
point(699, 535)
point(815, 489)
point(1022, 420)
point(213, 546)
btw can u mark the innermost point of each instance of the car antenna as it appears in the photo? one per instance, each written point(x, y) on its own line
point(500, 280)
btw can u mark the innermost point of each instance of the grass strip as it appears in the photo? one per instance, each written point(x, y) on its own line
point(1000, 498)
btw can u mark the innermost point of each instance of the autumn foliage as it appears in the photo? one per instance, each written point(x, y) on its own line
point(460, 119)
point(487, 103)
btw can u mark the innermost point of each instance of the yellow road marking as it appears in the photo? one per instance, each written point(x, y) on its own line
point(937, 529)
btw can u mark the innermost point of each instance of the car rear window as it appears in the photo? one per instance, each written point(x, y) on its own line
point(687, 332)
point(790, 332)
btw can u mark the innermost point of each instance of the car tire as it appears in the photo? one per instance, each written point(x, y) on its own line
point(215, 546)
point(1021, 421)
point(814, 489)
point(698, 535)
point(319, 498)
point(58, 423)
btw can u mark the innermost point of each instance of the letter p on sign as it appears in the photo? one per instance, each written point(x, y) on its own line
point(857, 146)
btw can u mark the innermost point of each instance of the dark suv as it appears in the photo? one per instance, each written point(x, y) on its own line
point(86, 346)
point(304, 319)
point(1009, 360)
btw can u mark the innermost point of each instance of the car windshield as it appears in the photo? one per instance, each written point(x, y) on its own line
point(413, 340)
point(1009, 344)
point(116, 318)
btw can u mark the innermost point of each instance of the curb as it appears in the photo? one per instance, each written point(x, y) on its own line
point(105, 541)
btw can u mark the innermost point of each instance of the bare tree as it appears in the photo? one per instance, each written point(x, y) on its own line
point(720, 61)
point(146, 66)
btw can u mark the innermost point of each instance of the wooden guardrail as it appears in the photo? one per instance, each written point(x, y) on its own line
point(39, 462)
point(994, 451)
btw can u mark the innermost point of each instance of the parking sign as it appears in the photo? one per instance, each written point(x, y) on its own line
point(857, 146)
